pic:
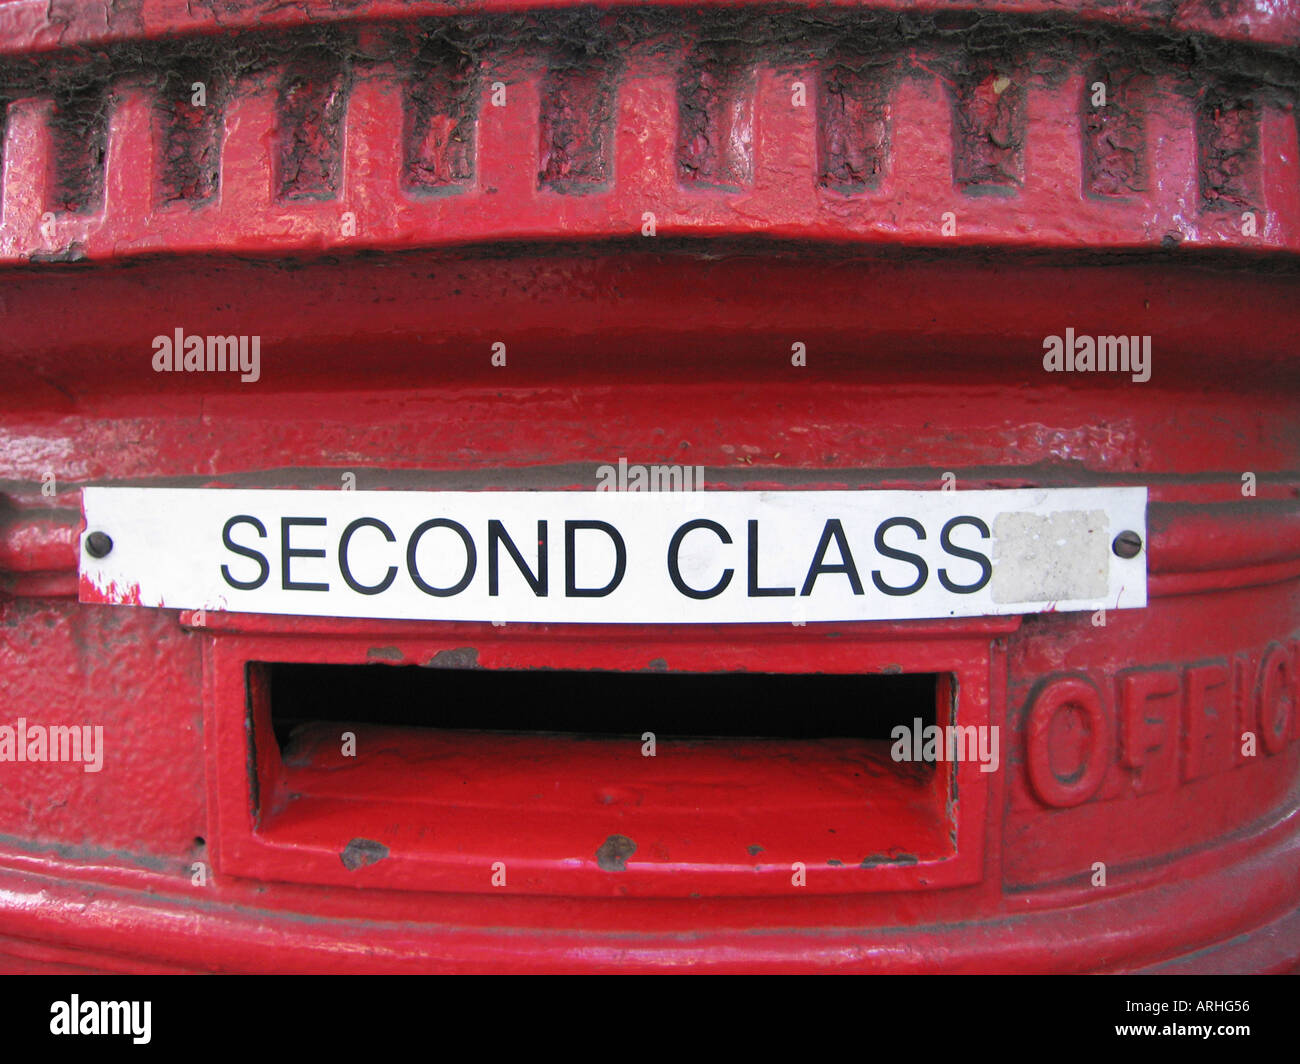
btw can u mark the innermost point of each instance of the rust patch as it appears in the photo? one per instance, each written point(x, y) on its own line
point(1227, 141)
point(989, 130)
point(79, 142)
point(874, 860)
point(715, 101)
point(853, 129)
point(384, 654)
point(754, 851)
point(460, 658)
point(440, 118)
point(614, 852)
point(73, 252)
point(311, 106)
point(577, 110)
point(361, 852)
point(191, 153)
point(1114, 136)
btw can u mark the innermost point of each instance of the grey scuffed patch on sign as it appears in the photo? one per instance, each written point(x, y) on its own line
point(1061, 557)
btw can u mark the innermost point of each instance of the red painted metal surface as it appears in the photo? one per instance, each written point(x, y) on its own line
point(351, 194)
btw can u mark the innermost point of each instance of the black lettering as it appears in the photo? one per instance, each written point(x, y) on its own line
point(922, 570)
point(945, 541)
point(497, 534)
point(346, 538)
point(571, 589)
point(471, 557)
point(674, 569)
point(754, 590)
point(288, 553)
point(833, 530)
point(245, 552)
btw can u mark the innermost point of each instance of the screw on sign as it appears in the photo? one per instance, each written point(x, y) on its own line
point(1127, 544)
point(98, 544)
point(982, 320)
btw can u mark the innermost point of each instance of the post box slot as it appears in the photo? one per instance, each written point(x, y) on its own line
point(433, 774)
point(672, 705)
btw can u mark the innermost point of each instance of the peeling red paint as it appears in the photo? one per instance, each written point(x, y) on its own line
point(112, 594)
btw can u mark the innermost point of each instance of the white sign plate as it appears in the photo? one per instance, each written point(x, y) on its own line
point(621, 557)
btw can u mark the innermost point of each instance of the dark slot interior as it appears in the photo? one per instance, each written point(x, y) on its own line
point(673, 705)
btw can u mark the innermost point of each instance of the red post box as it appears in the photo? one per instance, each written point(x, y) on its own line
point(580, 487)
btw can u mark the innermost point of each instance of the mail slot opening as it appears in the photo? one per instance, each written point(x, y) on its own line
point(428, 774)
point(602, 704)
